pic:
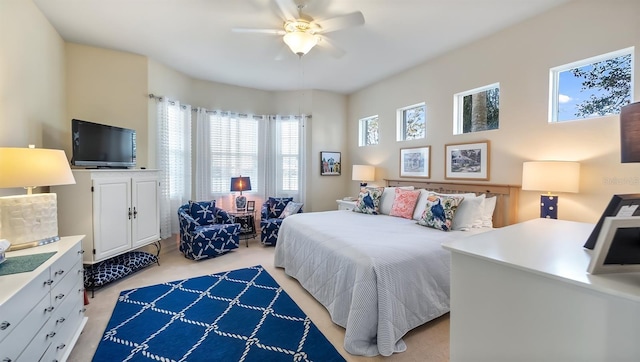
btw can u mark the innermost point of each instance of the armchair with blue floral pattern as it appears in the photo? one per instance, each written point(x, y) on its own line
point(272, 214)
point(206, 231)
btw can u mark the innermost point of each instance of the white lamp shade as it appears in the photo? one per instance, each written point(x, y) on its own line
point(300, 42)
point(32, 167)
point(363, 173)
point(551, 176)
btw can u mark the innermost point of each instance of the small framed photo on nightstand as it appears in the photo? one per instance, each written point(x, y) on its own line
point(251, 206)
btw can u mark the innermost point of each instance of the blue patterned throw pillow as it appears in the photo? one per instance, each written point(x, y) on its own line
point(277, 206)
point(439, 211)
point(203, 212)
point(369, 200)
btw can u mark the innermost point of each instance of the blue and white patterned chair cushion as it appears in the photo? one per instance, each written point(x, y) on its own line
point(270, 221)
point(201, 241)
point(116, 268)
point(203, 212)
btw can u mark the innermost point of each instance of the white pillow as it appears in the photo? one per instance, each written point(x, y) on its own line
point(470, 212)
point(487, 216)
point(387, 198)
point(422, 201)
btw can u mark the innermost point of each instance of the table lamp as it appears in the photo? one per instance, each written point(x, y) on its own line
point(32, 219)
point(363, 173)
point(550, 176)
point(630, 133)
point(241, 184)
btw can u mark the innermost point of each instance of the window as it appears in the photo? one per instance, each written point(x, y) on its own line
point(411, 123)
point(287, 155)
point(477, 109)
point(369, 134)
point(234, 141)
point(594, 87)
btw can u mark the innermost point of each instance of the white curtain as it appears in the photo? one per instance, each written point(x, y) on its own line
point(174, 161)
point(203, 155)
point(285, 157)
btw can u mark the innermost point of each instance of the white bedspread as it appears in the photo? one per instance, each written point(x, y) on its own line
point(378, 276)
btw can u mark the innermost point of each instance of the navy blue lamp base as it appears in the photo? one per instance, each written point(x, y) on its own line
point(549, 206)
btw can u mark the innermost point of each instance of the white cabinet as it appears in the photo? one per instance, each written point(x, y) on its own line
point(117, 210)
point(522, 293)
point(42, 311)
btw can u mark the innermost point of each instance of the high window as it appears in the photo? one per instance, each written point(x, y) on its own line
point(594, 87)
point(477, 109)
point(411, 123)
point(368, 131)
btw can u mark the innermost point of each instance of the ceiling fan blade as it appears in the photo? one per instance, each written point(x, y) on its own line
point(341, 21)
point(259, 31)
point(288, 8)
point(331, 48)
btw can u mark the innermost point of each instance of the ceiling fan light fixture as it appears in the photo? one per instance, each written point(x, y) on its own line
point(300, 42)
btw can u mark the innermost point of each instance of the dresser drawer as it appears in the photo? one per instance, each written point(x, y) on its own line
point(61, 290)
point(39, 344)
point(21, 335)
point(61, 343)
point(61, 267)
point(16, 308)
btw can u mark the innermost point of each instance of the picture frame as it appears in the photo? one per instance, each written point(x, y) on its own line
point(415, 162)
point(616, 249)
point(330, 163)
point(467, 161)
point(251, 206)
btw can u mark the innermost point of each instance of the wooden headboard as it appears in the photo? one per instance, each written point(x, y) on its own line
point(506, 211)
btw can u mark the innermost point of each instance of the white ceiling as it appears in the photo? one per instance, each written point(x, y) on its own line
point(195, 37)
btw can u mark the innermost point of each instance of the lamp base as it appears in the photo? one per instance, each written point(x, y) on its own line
point(549, 206)
point(241, 203)
point(29, 220)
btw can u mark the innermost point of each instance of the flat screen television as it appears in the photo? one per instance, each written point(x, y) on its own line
point(102, 146)
point(621, 206)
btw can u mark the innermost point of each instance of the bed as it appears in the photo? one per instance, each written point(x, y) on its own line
point(379, 276)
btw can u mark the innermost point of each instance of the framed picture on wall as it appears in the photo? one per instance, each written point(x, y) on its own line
point(330, 164)
point(415, 162)
point(467, 161)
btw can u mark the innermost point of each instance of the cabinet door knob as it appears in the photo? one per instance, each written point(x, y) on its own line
point(135, 212)
point(4, 325)
point(129, 213)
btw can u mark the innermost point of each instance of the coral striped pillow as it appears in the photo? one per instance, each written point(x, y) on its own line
point(404, 203)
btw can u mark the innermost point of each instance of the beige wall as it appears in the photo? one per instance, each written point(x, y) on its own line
point(519, 58)
point(32, 92)
point(109, 87)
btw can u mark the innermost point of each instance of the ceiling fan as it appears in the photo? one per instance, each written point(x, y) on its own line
point(301, 32)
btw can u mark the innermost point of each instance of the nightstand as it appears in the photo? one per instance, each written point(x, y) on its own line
point(346, 205)
point(247, 221)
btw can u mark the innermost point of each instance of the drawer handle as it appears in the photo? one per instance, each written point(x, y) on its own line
point(61, 346)
point(61, 320)
point(49, 309)
point(59, 272)
point(4, 325)
point(6, 359)
point(80, 290)
point(59, 296)
point(81, 252)
point(83, 310)
point(51, 334)
point(48, 282)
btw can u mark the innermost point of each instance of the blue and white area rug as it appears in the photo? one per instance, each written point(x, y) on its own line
point(239, 315)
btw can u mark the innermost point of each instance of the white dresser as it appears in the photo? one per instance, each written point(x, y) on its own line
point(42, 312)
point(522, 293)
